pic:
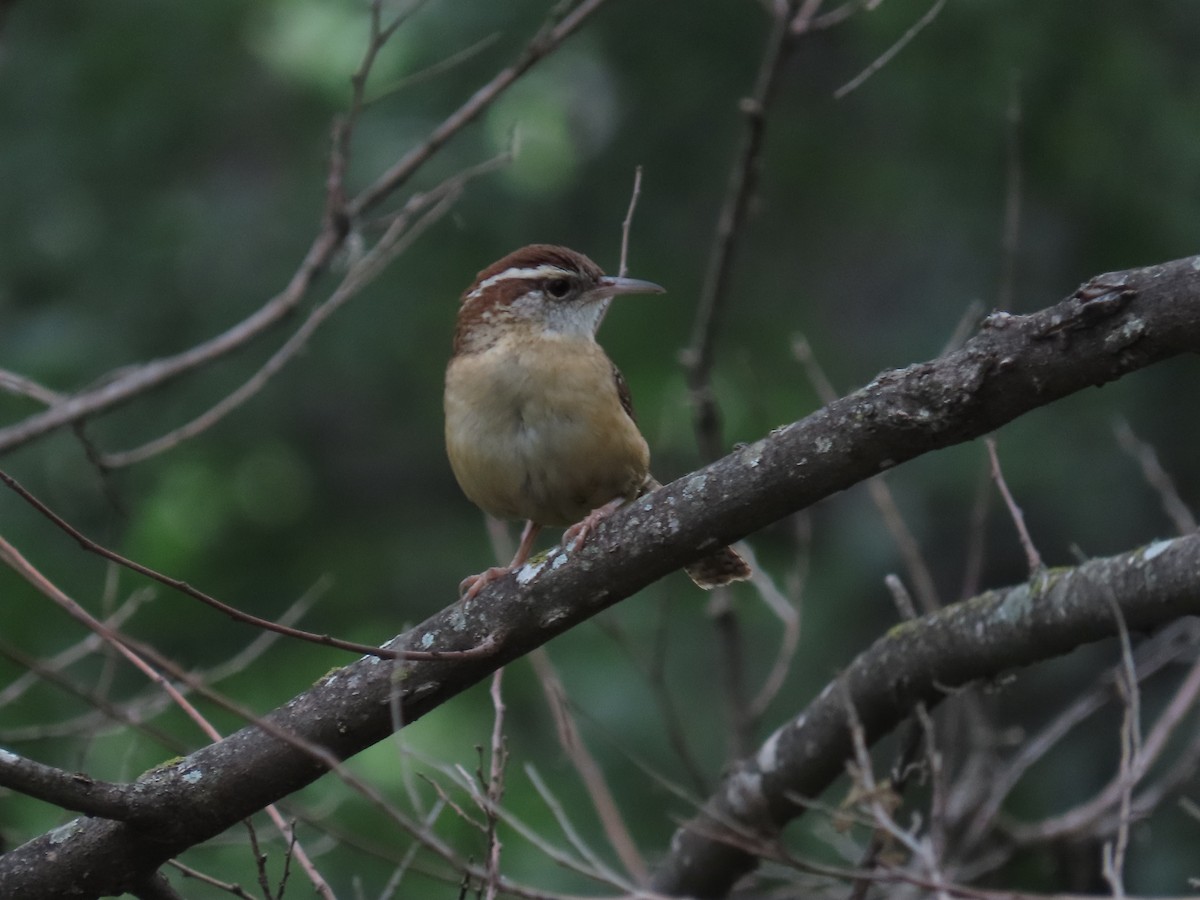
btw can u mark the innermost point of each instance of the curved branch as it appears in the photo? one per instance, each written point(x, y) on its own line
point(74, 791)
point(1116, 324)
point(920, 661)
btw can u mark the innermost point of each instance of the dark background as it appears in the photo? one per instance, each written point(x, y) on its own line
point(161, 174)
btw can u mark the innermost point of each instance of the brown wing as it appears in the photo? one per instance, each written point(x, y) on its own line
point(623, 392)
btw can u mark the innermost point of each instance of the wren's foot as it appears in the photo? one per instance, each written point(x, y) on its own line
point(577, 534)
point(473, 584)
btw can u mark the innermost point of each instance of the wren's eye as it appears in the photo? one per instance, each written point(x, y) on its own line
point(558, 288)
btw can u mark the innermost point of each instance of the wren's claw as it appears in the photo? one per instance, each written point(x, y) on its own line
point(575, 536)
point(470, 586)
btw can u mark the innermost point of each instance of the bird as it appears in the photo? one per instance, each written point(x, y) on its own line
point(539, 422)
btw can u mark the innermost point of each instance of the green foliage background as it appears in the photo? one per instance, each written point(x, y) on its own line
point(162, 171)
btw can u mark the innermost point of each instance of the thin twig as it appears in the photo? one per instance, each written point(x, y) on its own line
point(968, 324)
point(600, 870)
point(888, 55)
point(1032, 557)
point(743, 178)
point(627, 224)
point(1156, 476)
point(976, 536)
point(235, 890)
point(1151, 656)
point(1083, 817)
point(71, 655)
point(589, 771)
point(919, 572)
point(1113, 852)
point(232, 612)
point(457, 58)
point(17, 384)
point(900, 596)
point(494, 786)
point(786, 607)
point(548, 38)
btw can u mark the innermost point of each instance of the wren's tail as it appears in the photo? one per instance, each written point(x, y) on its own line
point(723, 566)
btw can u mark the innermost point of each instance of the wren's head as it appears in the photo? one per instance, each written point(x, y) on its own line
point(542, 289)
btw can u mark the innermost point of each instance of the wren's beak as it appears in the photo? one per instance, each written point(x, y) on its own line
point(614, 286)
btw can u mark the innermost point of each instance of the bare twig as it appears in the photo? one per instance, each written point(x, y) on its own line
point(15, 561)
point(888, 55)
point(976, 535)
point(232, 612)
point(787, 609)
point(627, 224)
point(1151, 656)
point(235, 890)
point(807, 20)
point(1156, 476)
point(393, 883)
point(1032, 557)
point(1084, 816)
point(967, 325)
point(65, 658)
point(653, 667)
point(135, 713)
point(743, 178)
point(918, 569)
point(494, 787)
point(1131, 754)
point(548, 38)
point(805, 15)
point(881, 800)
point(900, 596)
point(587, 768)
point(598, 869)
point(452, 60)
point(17, 384)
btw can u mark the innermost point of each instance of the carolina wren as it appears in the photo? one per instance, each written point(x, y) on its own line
point(539, 423)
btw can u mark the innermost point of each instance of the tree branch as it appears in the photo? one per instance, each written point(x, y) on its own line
point(1115, 324)
point(74, 791)
point(920, 662)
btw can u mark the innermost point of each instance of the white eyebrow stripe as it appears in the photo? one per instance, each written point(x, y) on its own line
point(546, 271)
